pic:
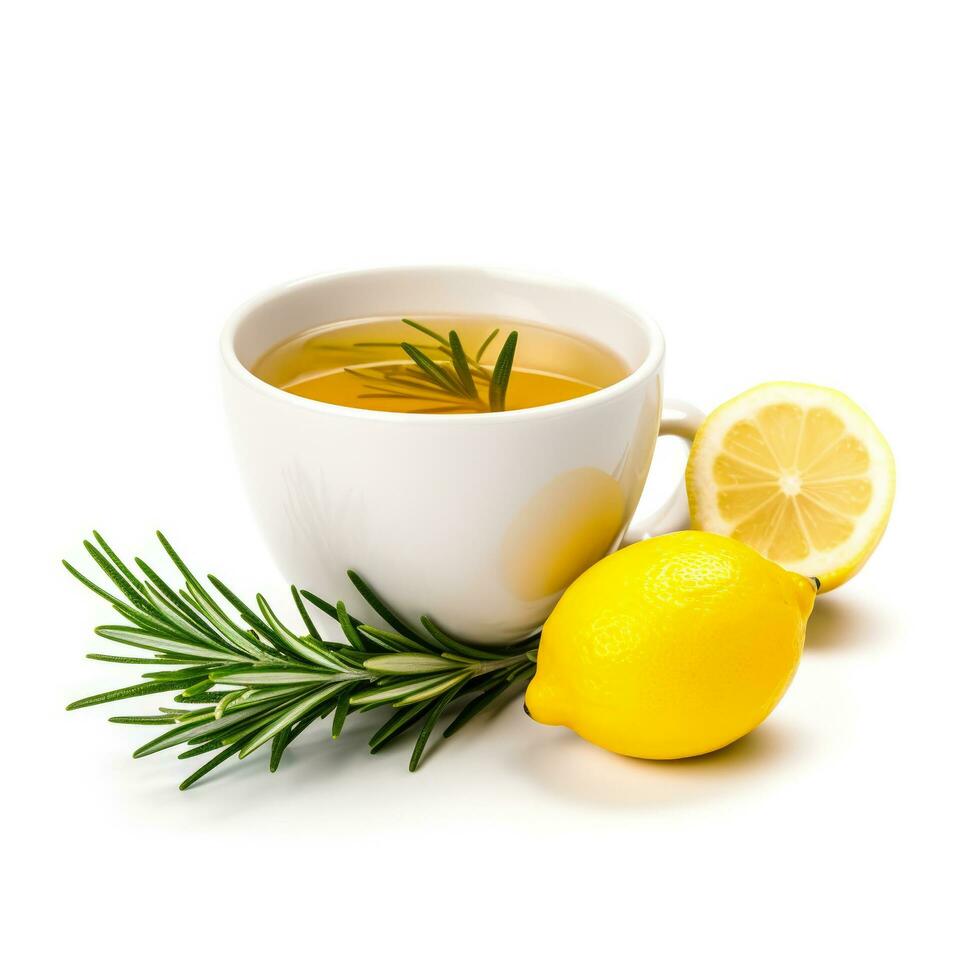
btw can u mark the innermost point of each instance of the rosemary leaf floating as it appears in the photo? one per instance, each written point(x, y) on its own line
point(501, 374)
point(246, 685)
point(440, 365)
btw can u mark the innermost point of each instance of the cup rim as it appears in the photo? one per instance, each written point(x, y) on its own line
point(648, 367)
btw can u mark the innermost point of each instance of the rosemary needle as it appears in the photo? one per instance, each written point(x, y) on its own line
point(501, 373)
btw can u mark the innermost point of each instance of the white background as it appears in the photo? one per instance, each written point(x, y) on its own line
point(790, 189)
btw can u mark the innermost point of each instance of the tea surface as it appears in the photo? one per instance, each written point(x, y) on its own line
point(361, 364)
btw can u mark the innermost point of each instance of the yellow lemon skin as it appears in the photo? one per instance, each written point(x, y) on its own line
point(672, 647)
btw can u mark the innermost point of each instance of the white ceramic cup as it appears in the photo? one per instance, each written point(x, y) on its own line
point(480, 521)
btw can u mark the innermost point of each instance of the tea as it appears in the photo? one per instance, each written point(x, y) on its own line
point(439, 364)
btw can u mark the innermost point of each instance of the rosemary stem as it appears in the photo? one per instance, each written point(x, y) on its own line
point(489, 666)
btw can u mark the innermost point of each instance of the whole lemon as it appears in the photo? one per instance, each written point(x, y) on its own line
point(672, 647)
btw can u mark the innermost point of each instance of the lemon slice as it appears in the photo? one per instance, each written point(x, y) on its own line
point(799, 473)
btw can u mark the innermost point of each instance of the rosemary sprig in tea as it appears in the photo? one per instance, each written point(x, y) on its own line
point(442, 374)
point(244, 685)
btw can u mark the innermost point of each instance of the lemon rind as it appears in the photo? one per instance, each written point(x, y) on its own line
point(835, 565)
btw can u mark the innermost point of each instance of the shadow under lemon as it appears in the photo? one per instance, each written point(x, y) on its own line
point(571, 768)
point(565, 528)
point(842, 624)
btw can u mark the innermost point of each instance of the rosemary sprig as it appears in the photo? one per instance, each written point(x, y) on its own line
point(242, 686)
point(441, 373)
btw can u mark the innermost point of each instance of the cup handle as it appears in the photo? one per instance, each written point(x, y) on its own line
point(682, 419)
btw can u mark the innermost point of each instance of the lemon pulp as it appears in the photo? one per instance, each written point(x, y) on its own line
point(799, 473)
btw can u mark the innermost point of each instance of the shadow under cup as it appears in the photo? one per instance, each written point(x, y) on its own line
point(480, 521)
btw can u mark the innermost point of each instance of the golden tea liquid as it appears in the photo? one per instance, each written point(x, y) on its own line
point(360, 364)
